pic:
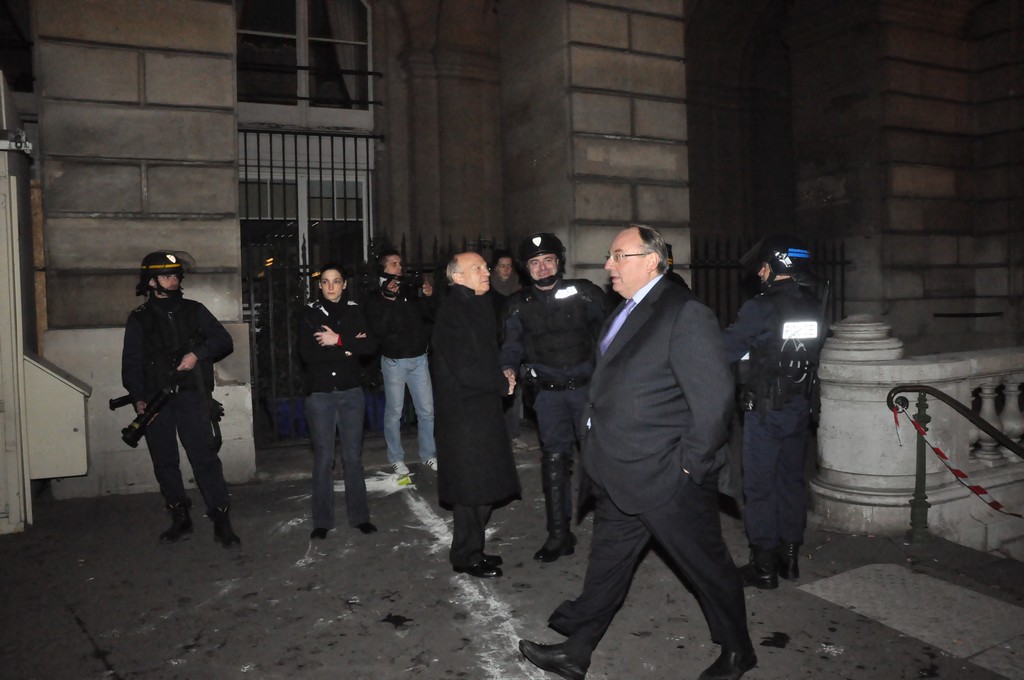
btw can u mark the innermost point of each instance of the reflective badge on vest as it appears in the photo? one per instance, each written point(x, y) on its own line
point(565, 292)
point(796, 359)
point(799, 330)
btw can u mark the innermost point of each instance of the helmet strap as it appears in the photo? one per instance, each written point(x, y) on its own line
point(547, 280)
point(164, 291)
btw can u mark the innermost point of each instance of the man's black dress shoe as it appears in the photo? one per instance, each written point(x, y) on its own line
point(318, 534)
point(492, 560)
point(480, 570)
point(730, 666)
point(552, 658)
point(367, 528)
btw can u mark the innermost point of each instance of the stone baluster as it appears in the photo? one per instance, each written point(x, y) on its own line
point(988, 451)
point(1013, 419)
point(973, 433)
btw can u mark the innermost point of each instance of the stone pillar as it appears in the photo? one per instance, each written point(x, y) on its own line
point(440, 162)
point(865, 478)
point(866, 474)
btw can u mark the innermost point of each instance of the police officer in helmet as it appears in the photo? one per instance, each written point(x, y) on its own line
point(551, 329)
point(776, 340)
point(170, 344)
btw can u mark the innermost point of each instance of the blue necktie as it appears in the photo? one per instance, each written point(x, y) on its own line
point(616, 325)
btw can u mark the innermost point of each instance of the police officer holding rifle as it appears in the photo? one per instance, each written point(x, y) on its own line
point(170, 344)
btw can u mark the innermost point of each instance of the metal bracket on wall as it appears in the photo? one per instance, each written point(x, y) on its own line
point(15, 141)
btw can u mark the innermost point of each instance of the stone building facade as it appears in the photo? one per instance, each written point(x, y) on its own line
point(894, 125)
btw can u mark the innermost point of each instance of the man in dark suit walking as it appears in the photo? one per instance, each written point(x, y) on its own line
point(660, 401)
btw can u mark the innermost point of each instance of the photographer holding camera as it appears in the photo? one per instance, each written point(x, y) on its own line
point(399, 317)
point(170, 345)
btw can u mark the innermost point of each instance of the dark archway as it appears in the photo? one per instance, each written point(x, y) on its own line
point(739, 104)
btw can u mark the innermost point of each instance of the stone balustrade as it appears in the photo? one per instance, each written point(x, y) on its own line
point(866, 476)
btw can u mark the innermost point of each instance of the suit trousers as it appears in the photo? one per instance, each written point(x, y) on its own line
point(688, 529)
point(470, 523)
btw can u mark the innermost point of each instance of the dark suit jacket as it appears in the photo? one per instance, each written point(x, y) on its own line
point(660, 401)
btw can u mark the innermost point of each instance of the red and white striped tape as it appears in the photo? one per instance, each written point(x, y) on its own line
point(959, 474)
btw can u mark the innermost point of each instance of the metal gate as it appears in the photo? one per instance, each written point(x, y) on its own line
point(304, 199)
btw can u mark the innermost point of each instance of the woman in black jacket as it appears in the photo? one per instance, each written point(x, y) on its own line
point(333, 336)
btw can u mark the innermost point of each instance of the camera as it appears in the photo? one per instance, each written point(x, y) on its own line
point(409, 285)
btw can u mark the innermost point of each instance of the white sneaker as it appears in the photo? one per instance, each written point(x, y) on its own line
point(400, 469)
point(431, 463)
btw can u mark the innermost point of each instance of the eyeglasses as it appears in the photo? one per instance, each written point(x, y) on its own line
point(618, 257)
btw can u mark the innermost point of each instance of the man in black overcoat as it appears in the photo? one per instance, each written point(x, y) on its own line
point(476, 469)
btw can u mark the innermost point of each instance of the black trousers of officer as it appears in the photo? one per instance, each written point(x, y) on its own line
point(689, 530)
point(186, 415)
point(775, 497)
point(558, 423)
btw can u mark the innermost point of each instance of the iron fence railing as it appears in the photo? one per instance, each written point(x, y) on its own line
point(724, 284)
point(304, 199)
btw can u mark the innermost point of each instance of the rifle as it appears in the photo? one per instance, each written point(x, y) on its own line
point(136, 429)
point(132, 434)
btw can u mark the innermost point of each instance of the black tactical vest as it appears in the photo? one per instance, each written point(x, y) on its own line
point(786, 364)
point(166, 338)
point(557, 332)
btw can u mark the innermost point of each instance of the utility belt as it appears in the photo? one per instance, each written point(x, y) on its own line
point(557, 386)
point(775, 395)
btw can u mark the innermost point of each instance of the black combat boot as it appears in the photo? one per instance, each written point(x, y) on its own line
point(222, 531)
point(181, 524)
point(789, 561)
point(554, 473)
point(763, 570)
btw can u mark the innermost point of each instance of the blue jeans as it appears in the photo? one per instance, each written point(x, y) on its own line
point(415, 373)
point(339, 412)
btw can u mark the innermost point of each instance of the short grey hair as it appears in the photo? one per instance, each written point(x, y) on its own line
point(653, 242)
point(453, 268)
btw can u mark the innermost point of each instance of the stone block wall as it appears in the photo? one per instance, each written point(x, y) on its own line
point(948, 114)
point(996, 251)
point(595, 123)
point(137, 148)
point(908, 131)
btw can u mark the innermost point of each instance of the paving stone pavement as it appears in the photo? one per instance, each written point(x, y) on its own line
point(90, 594)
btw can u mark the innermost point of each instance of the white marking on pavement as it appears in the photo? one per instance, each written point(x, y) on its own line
point(289, 525)
point(225, 588)
point(382, 483)
point(496, 626)
point(312, 555)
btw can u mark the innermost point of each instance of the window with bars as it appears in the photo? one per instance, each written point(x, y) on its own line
point(304, 53)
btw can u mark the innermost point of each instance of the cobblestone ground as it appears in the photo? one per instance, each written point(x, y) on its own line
point(89, 593)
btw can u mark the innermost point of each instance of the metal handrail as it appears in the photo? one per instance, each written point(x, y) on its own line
point(892, 401)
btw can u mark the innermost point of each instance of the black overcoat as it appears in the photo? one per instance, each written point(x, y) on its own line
point(475, 465)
